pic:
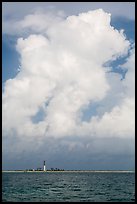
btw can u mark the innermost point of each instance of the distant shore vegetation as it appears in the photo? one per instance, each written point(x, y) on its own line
point(40, 169)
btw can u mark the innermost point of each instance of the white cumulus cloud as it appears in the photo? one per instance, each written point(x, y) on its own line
point(62, 71)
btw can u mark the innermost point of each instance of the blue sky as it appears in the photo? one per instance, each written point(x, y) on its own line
point(9, 70)
point(66, 149)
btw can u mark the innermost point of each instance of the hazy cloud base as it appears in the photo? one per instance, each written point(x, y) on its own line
point(62, 73)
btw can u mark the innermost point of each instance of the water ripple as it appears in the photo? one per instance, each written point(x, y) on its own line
point(68, 187)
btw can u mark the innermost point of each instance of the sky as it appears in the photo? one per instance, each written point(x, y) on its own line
point(68, 85)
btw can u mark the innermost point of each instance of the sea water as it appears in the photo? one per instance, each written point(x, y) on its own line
point(68, 187)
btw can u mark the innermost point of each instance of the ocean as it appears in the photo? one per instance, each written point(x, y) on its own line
point(68, 187)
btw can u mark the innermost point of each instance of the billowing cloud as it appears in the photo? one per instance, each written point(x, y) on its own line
point(62, 72)
point(36, 22)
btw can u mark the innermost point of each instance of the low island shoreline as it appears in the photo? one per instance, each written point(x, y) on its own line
point(69, 171)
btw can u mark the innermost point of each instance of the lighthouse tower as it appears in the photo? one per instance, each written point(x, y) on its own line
point(44, 166)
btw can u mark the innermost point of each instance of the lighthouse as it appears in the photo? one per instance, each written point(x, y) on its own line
point(44, 169)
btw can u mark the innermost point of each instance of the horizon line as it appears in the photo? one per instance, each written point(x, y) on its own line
point(68, 171)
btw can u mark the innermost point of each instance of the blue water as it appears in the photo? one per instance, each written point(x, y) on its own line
point(68, 186)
